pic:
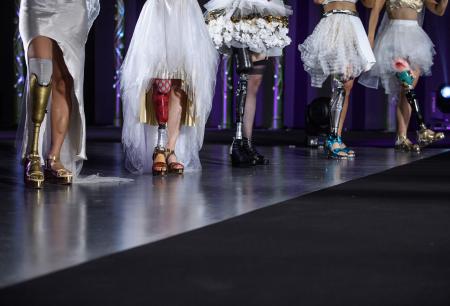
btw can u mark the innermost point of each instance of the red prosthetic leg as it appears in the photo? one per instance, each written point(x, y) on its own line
point(161, 95)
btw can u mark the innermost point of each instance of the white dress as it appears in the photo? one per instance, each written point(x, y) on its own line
point(337, 46)
point(260, 25)
point(170, 41)
point(68, 23)
point(396, 39)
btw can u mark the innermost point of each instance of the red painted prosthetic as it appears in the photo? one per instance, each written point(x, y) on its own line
point(161, 94)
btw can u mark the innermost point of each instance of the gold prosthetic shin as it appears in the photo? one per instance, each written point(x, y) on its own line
point(34, 175)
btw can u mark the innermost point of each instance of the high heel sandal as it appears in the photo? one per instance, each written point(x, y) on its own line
point(336, 152)
point(159, 168)
point(34, 174)
point(174, 167)
point(403, 144)
point(350, 153)
point(60, 176)
point(426, 137)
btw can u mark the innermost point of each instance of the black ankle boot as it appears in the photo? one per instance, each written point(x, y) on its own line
point(253, 153)
point(239, 156)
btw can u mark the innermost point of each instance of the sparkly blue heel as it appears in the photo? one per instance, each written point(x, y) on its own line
point(335, 153)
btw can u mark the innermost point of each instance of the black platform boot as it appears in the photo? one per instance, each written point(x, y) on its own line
point(253, 153)
point(239, 156)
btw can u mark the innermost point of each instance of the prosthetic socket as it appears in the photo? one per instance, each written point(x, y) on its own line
point(243, 67)
point(336, 103)
point(40, 71)
point(407, 79)
point(161, 96)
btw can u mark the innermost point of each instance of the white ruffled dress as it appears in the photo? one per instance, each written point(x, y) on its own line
point(337, 46)
point(399, 39)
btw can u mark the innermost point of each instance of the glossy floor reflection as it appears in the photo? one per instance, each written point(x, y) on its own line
point(58, 227)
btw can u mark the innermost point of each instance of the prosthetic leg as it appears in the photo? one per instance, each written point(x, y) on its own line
point(259, 68)
point(336, 104)
point(40, 72)
point(238, 154)
point(161, 95)
point(425, 136)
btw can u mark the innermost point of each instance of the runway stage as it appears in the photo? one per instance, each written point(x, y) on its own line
point(59, 227)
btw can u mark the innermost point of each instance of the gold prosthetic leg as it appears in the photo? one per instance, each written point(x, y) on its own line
point(34, 175)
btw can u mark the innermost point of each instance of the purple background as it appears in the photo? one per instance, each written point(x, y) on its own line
point(367, 109)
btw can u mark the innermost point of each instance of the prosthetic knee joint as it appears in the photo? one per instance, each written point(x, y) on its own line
point(40, 72)
point(161, 95)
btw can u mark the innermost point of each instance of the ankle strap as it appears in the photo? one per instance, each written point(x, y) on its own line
point(169, 153)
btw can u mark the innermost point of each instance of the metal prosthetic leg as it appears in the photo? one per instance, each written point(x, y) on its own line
point(238, 154)
point(425, 136)
point(336, 105)
point(161, 96)
point(40, 71)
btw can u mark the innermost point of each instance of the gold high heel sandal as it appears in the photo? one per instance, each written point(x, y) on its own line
point(33, 175)
point(60, 176)
point(426, 137)
point(403, 144)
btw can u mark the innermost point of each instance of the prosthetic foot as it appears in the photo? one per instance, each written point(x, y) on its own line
point(425, 136)
point(238, 153)
point(161, 95)
point(40, 71)
point(333, 143)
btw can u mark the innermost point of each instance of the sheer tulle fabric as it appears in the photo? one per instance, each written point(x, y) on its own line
point(68, 24)
point(259, 35)
point(400, 39)
point(338, 45)
point(170, 41)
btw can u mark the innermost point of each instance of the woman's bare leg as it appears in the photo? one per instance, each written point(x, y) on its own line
point(348, 89)
point(254, 82)
point(62, 87)
point(174, 123)
point(404, 109)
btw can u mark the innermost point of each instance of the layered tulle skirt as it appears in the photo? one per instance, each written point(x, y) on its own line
point(261, 26)
point(401, 39)
point(337, 46)
point(170, 41)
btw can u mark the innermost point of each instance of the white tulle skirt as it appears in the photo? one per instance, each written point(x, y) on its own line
point(401, 39)
point(338, 45)
point(260, 25)
point(170, 41)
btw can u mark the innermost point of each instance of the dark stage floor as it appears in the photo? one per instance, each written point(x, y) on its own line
point(56, 228)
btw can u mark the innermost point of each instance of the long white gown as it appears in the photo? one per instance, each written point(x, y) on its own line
point(68, 23)
point(170, 41)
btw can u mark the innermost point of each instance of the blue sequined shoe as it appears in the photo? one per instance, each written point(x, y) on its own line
point(334, 148)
